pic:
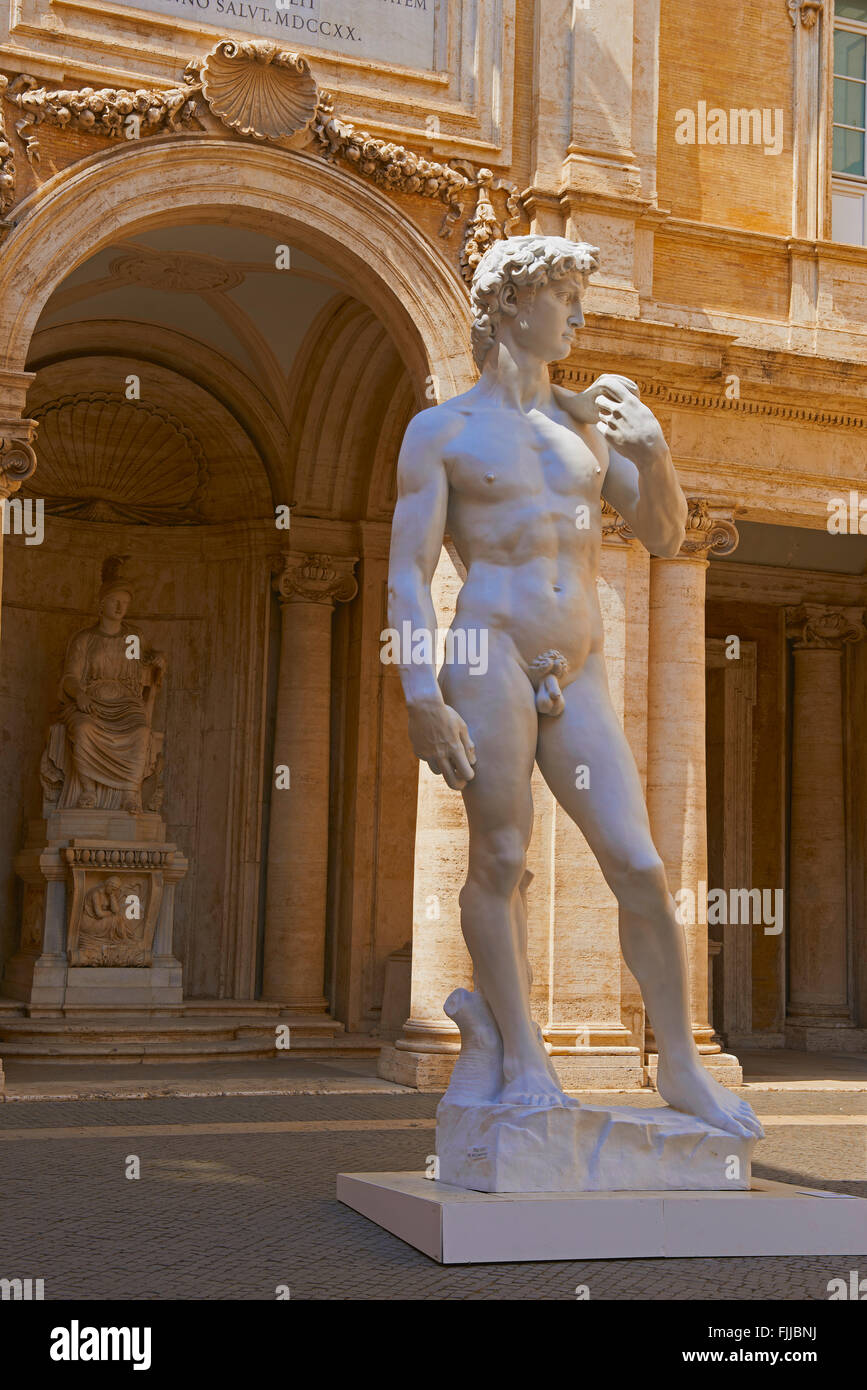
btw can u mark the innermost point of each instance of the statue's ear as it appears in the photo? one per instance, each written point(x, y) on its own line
point(508, 299)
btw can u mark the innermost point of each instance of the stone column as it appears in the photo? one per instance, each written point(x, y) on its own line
point(676, 791)
point(819, 1008)
point(17, 463)
point(425, 1053)
point(297, 874)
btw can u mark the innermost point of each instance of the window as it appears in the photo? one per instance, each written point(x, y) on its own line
point(849, 191)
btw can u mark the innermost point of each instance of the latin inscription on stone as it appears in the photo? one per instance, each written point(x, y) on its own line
point(391, 31)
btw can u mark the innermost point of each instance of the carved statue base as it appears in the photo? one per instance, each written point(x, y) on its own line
point(588, 1148)
point(488, 1146)
point(98, 912)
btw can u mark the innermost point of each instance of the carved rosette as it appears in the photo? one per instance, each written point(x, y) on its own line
point(815, 627)
point(17, 460)
point(314, 579)
point(259, 90)
point(710, 530)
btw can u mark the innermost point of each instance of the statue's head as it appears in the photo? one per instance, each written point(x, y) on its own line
point(115, 603)
point(531, 288)
point(115, 593)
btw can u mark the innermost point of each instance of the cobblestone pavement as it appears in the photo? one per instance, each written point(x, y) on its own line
point(228, 1208)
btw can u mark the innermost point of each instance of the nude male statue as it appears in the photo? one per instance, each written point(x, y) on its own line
point(507, 469)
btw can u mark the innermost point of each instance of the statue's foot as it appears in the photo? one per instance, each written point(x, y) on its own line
point(532, 1084)
point(478, 1072)
point(86, 801)
point(693, 1091)
point(551, 1069)
point(132, 805)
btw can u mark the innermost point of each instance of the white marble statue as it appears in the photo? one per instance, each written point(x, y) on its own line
point(102, 749)
point(515, 471)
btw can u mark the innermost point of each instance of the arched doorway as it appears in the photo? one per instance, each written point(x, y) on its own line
point(277, 386)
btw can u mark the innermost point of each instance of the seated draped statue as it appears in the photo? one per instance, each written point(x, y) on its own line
point(102, 749)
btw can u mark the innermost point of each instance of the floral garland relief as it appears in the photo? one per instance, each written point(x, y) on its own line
point(263, 93)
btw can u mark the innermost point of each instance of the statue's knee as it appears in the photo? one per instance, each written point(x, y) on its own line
point(640, 884)
point(498, 862)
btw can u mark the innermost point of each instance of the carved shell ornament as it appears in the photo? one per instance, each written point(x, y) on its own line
point(259, 90)
point(102, 458)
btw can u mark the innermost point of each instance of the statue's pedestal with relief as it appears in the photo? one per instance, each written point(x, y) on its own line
point(98, 912)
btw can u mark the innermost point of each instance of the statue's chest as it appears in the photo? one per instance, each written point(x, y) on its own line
point(108, 659)
point(503, 455)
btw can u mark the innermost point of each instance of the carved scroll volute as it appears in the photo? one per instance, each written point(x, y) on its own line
point(17, 459)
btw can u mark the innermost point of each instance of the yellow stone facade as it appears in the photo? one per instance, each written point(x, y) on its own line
point(234, 259)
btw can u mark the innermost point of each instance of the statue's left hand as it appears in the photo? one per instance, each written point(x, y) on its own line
point(582, 405)
point(627, 423)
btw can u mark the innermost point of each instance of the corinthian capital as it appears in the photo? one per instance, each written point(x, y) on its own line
point(710, 529)
point(813, 626)
point(300, 578)
point(17, 459)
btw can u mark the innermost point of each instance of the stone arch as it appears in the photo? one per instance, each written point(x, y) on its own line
point(328, 212)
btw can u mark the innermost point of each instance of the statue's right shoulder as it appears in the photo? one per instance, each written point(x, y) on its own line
point(434, 426)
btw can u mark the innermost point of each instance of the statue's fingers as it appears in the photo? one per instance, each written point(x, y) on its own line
point(627, 382)
point(614, 386)
point(469, 746)
point(460, 763)
point(453, 779)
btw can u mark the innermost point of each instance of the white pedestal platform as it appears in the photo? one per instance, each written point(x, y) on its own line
point(456, 1226)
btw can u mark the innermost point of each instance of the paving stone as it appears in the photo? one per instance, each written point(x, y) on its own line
point(233, 1215)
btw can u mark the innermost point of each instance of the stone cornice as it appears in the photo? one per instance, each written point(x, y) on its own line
point(779, 586)
point(682, 379)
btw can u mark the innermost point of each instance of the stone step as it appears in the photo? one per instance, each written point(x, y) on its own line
point(75, 1050)
point(108, 1026)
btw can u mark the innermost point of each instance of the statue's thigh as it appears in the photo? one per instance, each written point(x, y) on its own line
point(500, 712)
point(587, 762)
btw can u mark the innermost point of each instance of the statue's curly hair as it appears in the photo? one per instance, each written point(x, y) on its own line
point(522, 261)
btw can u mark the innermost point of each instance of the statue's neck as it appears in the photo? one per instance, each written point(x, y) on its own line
point(514, 377)
point(110, 626)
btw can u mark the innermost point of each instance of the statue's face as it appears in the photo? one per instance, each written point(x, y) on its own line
point(544, 321)
point(114, 605)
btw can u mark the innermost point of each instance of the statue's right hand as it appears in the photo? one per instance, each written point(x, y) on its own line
point(441, 739)
point(83, 703)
